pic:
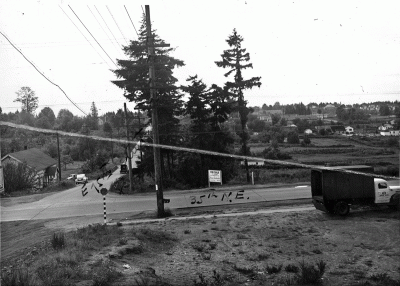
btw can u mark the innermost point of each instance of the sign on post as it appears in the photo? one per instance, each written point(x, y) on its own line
point(214, 176)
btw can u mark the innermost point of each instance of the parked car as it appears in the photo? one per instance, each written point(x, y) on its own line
point(81, 179)
point(72, 177)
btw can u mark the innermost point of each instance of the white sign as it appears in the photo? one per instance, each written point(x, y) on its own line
point(214, 176)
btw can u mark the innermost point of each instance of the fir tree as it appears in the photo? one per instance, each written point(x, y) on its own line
point(133, 78)
point(236, 59)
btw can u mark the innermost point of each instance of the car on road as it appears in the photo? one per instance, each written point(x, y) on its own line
point(81, 179)
point(72, 177)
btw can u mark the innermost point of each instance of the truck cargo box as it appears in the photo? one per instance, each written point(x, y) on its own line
point(333, 184)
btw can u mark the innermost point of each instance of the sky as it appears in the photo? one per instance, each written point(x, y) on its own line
point(304, 51)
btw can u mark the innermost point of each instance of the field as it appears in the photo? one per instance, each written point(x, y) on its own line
point(341, 150)
point(300, 246)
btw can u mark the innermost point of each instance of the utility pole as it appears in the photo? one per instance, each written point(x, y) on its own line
point(59, 159)
point(2, 187)
point(154, 118)
point(128, 151)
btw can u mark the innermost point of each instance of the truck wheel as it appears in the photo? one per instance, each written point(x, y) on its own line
point(342, 208)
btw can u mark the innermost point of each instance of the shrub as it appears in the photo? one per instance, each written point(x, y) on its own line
point(58, 241)
point(309, 274)
point(273, 269)
point(293, 137)
point(291, 268)
point(18, 177)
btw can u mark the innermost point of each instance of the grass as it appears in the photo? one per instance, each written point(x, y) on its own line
point(63, 263)
point(17, 277)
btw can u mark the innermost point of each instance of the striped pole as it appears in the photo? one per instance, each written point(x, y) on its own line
point(105, 212)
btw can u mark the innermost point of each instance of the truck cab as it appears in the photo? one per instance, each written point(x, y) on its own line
point(385, 194)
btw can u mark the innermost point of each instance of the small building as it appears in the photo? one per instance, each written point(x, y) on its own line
point(349, 130)
point(338, 129)
point(308, 132)
point(43, 164)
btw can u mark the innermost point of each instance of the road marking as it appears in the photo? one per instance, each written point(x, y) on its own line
point(300, 187)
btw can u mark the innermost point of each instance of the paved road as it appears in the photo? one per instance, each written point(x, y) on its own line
point(72, 203)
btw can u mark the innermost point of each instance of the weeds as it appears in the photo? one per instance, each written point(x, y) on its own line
point(384, 279)
point(58, 241)
point(273, 269)
point(309, 274)
point(104, 274)
point(291, 268)
point(17, 277)
point(216, 280)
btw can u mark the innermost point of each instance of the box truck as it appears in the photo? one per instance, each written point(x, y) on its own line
point(334, 190)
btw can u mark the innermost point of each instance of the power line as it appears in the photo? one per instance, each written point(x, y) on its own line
point(117, 25)
point(42, 73)
point(103, 29)
point(107, 26)
point(131, 21)
point(83, 35)
point(93, 36)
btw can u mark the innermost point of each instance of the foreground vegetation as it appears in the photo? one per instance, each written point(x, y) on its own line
point(296, 248)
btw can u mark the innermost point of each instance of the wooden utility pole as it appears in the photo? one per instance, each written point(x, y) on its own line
point(128, 151)
point(59, 159)
point(154, 118)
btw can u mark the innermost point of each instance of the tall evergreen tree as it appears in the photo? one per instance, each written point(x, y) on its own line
point(236, 59)
point(133, 78)
point(93, 117)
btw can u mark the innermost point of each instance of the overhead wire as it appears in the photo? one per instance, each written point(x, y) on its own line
point(41, 72)
point(119, 50)
point(131, 21)
point(93, 36)
point(107, 26)
point(84, 36)
point(117, 25)
point(193, 150)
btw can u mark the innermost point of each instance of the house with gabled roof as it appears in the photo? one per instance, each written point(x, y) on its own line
point(43, 164)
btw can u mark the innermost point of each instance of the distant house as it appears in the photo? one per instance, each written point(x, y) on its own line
point(349, 130)
point(308, 132)
point(385, 127)
point(43, 164)
point(338, 129)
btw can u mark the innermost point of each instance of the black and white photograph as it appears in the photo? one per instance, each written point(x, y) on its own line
point(199, 143)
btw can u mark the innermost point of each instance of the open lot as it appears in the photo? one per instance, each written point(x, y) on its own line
point(242, 249)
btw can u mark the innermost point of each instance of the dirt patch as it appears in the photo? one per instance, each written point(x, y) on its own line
point(261, 249)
